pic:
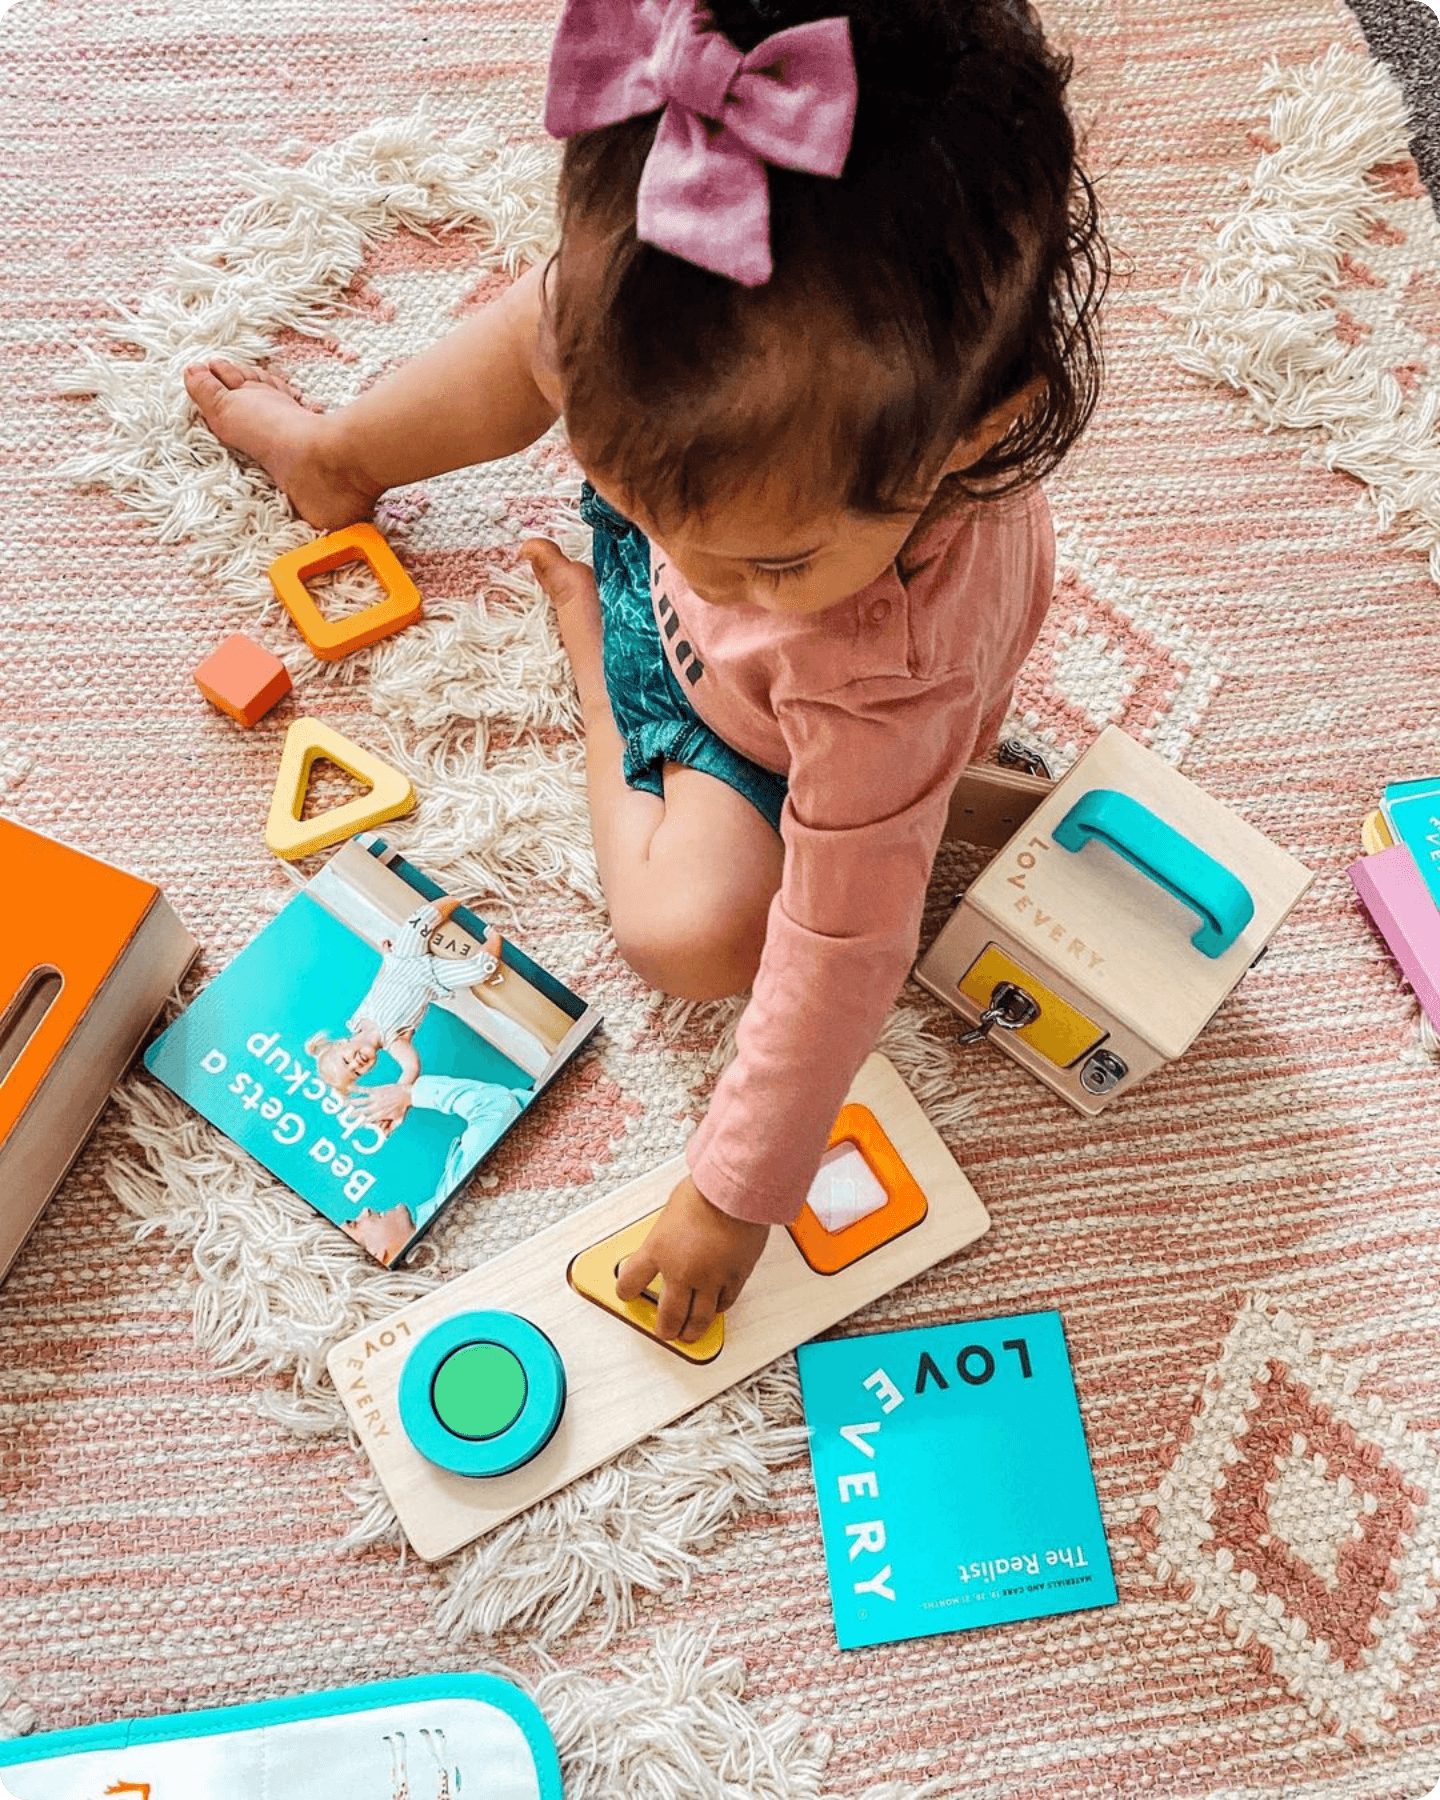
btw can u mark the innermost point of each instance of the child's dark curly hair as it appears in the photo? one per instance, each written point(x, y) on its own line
point(958, 258)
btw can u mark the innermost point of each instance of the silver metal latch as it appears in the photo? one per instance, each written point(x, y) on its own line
point(1014, 753)
point(1102, 1072)
point(1010, 1009)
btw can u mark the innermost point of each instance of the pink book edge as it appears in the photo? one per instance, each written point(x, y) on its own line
point(1394, 893)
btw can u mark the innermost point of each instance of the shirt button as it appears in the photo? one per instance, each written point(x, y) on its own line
point(879, 611)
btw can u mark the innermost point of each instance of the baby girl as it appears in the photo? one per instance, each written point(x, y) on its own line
point(410, 977)
point(821, 316)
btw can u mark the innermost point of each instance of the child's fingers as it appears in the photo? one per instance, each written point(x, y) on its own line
point(702, 1311)
point(635, 1274)
point(678, 1302)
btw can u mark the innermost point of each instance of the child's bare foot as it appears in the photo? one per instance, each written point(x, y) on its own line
point(255, 413)
point(571, 587)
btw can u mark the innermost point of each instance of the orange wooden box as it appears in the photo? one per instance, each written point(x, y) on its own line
point(88, 955)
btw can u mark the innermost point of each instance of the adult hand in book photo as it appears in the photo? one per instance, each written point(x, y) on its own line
point(384, 1106)
point(703, 1256)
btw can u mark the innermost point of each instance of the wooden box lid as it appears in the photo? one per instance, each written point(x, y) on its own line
point(64, 911)
point(1110, 920)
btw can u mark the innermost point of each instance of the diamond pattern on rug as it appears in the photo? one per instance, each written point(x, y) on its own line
point(1306, 1519)
point(1108, 654)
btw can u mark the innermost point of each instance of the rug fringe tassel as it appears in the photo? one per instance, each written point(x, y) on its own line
point(1258, 316)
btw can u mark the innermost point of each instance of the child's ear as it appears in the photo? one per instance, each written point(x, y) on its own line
point(993, 427)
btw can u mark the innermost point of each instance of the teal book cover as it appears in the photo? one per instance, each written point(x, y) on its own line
point(953, 1478)
point(372, 1044)
point(1413, 809)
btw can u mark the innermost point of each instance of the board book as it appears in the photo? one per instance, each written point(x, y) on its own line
point(1394, 893)
point(953, 1479)
point(1412, 809)
point(372, 1044)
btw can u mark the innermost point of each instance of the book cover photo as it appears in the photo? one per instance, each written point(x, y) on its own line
point(952, 1477)
point(372, 1044)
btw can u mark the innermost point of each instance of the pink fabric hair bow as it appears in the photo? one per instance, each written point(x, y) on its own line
point(703, 192)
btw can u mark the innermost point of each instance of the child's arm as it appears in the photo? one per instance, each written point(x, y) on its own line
point(405, 1055)
point(840, 939)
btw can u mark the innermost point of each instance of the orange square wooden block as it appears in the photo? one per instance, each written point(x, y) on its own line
point(243, 679)
point(331, 639)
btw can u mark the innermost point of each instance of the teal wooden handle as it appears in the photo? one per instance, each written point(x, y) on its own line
point(1168, 858)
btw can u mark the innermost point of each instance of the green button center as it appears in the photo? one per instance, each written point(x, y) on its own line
point(479, 1390)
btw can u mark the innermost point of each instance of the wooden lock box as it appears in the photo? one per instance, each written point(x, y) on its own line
point(1112, 925)
point(88, 956)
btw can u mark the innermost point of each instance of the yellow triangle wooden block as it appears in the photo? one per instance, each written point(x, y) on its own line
point(287, 833)
point(592, 1273)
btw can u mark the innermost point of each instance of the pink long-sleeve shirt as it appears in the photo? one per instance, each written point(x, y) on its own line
point(871, 709)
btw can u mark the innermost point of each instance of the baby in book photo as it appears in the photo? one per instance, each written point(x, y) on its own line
point(411, 978)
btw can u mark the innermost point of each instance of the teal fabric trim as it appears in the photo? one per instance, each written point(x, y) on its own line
point(124, 1734)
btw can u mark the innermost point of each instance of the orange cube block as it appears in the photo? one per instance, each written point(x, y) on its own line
point(243, 679)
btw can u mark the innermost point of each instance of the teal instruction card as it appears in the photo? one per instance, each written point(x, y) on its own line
point(953, 1479)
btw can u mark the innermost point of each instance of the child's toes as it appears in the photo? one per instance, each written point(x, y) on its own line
point(231, 374)
point(205, 388)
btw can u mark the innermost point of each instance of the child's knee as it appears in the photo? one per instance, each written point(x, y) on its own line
point(693, 952)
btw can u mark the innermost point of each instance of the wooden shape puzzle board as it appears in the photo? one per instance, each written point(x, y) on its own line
point(623, 1385)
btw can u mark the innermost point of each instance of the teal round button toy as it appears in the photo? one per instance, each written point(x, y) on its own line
point(482, 1393)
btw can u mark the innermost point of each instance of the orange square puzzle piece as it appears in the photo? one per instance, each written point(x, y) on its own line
point(904, 1206)
point(331, 639)
point(243, 679)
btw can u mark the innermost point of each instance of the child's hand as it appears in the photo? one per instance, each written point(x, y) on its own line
point(383, 1106)
point(704, 1257)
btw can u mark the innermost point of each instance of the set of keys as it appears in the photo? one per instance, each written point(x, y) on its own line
point(1010, 1009)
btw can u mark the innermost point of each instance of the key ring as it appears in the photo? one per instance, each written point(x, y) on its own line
point(1010, 1009)
point(1012, 753)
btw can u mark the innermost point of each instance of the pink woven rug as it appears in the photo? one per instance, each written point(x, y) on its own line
point(1244, 1251)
